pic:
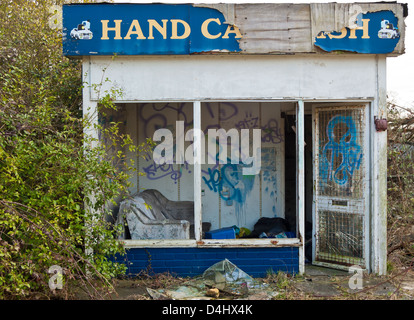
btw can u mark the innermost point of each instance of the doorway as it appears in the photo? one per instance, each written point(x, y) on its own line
point(291, 180)
point(341, 186)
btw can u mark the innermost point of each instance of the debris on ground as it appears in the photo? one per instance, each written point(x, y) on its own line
point(213, 292)
point(223, 279)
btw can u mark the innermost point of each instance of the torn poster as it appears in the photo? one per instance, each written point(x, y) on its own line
point(373, 32)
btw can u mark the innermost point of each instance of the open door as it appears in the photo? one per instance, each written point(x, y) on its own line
point(341, 175)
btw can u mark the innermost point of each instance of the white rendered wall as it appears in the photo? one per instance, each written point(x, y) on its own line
point(178, 78)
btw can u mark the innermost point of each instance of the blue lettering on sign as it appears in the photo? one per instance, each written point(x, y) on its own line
point(375, 32)
point(140, 29)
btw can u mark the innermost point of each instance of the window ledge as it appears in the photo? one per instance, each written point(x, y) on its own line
point(214, 243)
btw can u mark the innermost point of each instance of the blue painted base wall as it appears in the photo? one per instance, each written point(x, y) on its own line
point(256, 262)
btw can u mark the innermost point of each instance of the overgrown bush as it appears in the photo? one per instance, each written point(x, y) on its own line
point(400, 185)
point(48, 172)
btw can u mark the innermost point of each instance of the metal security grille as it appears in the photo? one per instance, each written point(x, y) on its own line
point(340, 185)
point(340, 153)
point(341, 237)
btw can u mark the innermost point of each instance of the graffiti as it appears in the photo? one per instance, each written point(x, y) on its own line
point(156, 171)
point(228, 181)
point(225, 179)
point(249, 122)
point(269, 173)
point(214, 179)
point(269, 181)
point(227, 110)
point(271, 132)
point(158, 119)
point(153, 117)
point(213, 182)
point(239, 187)
point(343, 149)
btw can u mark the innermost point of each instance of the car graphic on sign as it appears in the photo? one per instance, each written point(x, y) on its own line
point(82, 31)
point(388, 31)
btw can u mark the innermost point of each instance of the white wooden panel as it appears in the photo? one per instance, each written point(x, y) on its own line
point(213, 243)
point(274, 28)
point(243, 207)
point(272, 173)
point(379, 174)
point(197, 170)
point(300, 182)
point(209, 189)
point(164, 178)
point(229, 198)
point(186, 181)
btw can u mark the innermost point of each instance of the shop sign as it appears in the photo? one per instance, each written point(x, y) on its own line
point(373, 32)
point(145, 29)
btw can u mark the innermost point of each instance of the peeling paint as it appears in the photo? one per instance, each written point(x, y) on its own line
point(146, 29)
point(375, 33)
point(265, 28)
point(226, 9)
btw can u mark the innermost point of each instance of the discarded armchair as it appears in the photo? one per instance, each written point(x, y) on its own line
point(150, 215)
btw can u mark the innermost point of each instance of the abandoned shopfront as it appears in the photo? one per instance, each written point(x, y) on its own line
point(269, 124)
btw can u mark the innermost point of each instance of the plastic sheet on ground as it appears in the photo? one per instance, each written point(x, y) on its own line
point(232, 282)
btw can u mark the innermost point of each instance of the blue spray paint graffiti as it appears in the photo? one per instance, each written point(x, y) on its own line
point(269, 174)
point(158, 171)
point(346, 149)
point(230, 183)
point(155, 171)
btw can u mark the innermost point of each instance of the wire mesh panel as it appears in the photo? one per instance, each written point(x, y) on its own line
point(340, 153)
point(340, 185)
point(341, 238)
